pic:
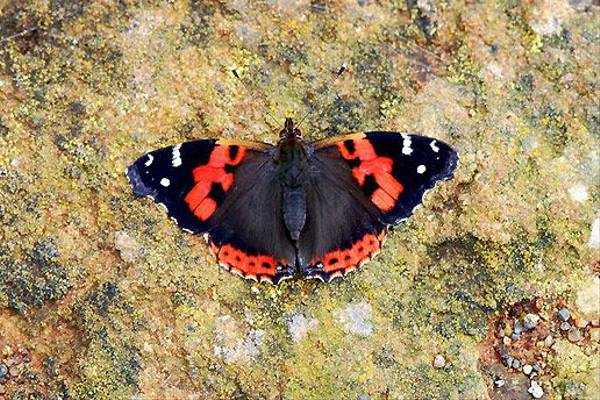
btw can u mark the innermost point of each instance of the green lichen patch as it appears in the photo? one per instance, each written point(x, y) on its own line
point(343, 115)
point(34, 281)
point(373, 68)
point(109, 364)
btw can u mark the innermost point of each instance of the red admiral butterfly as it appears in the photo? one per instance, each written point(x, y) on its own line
point(319, 210)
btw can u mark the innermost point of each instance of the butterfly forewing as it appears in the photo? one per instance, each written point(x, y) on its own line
point(393, 170)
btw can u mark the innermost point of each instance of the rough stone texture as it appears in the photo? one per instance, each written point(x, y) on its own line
point(588, 299)
point(299, 326)
point(594, 241)
point(113, 301)
point(577, 372)
point(356, 319)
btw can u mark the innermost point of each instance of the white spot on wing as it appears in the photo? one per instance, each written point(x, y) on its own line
point(421, 169)
point(406, 145)
point(176, 161)
point(165, 182)
point(149, 160)
point(434, 146)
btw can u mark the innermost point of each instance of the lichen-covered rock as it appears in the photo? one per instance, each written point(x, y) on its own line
point(112, 300)
point(576, 372)
point(356, 319)
point(588, 298)
point(109, 365)
point(234, 348)
point(299, 326)
point(33, 282)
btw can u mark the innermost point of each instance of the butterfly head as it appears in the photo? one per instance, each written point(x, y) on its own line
point(289, 132)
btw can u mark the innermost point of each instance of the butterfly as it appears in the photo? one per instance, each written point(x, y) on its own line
point(314, 210)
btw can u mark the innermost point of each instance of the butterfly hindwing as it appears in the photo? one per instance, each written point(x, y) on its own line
point(341, 221)
point(204, 186)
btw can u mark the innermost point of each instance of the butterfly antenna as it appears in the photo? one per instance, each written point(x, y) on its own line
point(262, 106)
point(324, 92)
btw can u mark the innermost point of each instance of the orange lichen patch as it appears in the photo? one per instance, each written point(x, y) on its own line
point(380, 168)
point(213, 172)
point(351, 258)
point(254, 267)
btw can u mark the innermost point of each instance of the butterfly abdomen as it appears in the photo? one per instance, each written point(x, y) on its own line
point(294, 210)
point(293, 174)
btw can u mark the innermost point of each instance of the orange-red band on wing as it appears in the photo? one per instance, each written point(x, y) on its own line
point(344, 260)
point(256, 267)
point(380, 168)
point(213, 172)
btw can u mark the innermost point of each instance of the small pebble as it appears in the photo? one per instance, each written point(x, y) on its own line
point(514, 336)
point(565, 326)
point(3, 370)
point(564, 314)
point(574, 335)
point(548, 341)
point(527, 369)
point(499, 382)
point(508, 361)
point(581, 323)
point(439, 361)
point(506, 340)
point(536, 368)
point(536, 390)
point(516, 364)
point(530, 321)
point(518, 329)
point(16, 370)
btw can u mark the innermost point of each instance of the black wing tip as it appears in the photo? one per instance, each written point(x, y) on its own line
point(137, 183)
point(451, 164)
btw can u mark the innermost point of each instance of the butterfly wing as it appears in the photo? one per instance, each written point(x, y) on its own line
point(361, 184)
point(227, 190)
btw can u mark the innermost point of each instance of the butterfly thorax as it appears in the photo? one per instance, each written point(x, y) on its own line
point(292, 168)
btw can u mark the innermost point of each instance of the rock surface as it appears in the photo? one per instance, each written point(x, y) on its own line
point(102, 296)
